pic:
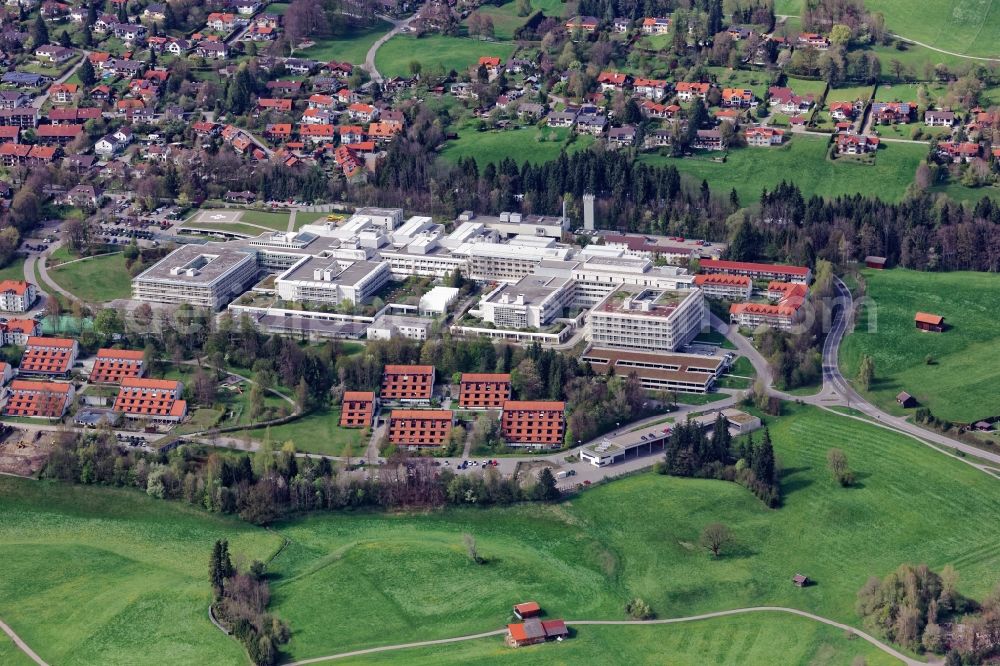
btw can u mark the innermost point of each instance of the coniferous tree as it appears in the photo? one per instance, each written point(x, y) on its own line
point(39, 32)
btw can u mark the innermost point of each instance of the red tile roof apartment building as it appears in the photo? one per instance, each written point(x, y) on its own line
point(729, 287)
point(757, 271)
point(38, 399)
point(407, 382)
point(48, 356)
point(420, 427)
point(484, 391)
point(752, 315)
point(157, 399)
point(114, 365)
point(533, 423)
point(357, 409)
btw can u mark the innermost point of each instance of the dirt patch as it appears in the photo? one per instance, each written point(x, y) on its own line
point(23, 452)
point(528, 470)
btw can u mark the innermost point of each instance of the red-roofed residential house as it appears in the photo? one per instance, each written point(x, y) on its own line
point(38, 399)
point(484, 391)
point(757, 271)
point(728, 287)
point(357, 409)
point(114, 365)
point(416, 428)
point(18, 331)
point(16, 295)
point(156, 399)
point(408, 383)
point(533, 423)
point(48, 356)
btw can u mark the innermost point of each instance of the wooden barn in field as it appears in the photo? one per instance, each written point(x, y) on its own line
point(929, 322)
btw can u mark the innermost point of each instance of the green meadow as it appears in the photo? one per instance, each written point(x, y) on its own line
point(962, 382)
point(111, 576)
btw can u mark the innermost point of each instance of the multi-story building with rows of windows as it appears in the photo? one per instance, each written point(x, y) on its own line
point(647, 319)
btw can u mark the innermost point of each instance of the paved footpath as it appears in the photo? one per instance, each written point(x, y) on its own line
point(21, 644)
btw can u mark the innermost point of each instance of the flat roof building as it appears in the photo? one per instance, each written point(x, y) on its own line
point(357, 409)
point(53, 357)
point(617, 448)
point(534, 301)
point(682, 373)
point(533, 423)
point(417, 428)
point(208, 276)
point(388, 327)
point(496, 262)
point(114, 365)
point(327, 281)
point(34, 399)
point(516, 224)
point(484, 390)
point(408, 383)
point(643, 319)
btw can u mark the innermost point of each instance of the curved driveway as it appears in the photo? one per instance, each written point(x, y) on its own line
point(397, 27)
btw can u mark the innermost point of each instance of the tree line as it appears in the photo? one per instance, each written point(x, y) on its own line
point(274, 483)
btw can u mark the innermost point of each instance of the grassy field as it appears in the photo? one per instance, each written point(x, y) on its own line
point(10, 655)
point(102, 576)
point(504, 17)
point(636, 537)
point(318, 432)
point(95, 280)
point(962, 383)
point(350, 48)
point(806, 86)
point(522, 144)
point(450, 53)
point(848, 94)
point(908, 92)
point(721, 642)
point(129, 585)
point(969, 27)
point(234, 227)
point(802, 160)
point(277, 220)
point(303, 218)
point(14, 270)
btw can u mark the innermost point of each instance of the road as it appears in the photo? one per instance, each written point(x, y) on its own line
point(21, 644)
point(834, 381)
point(43, 272)
point(674, 620)
point(836, 390)
point(397, 27)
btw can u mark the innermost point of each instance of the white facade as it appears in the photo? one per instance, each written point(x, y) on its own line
point(207, 275)
point(647, 319)
point(17, 295)
point(533, 302)
point(435, 302)
point(331, 282)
